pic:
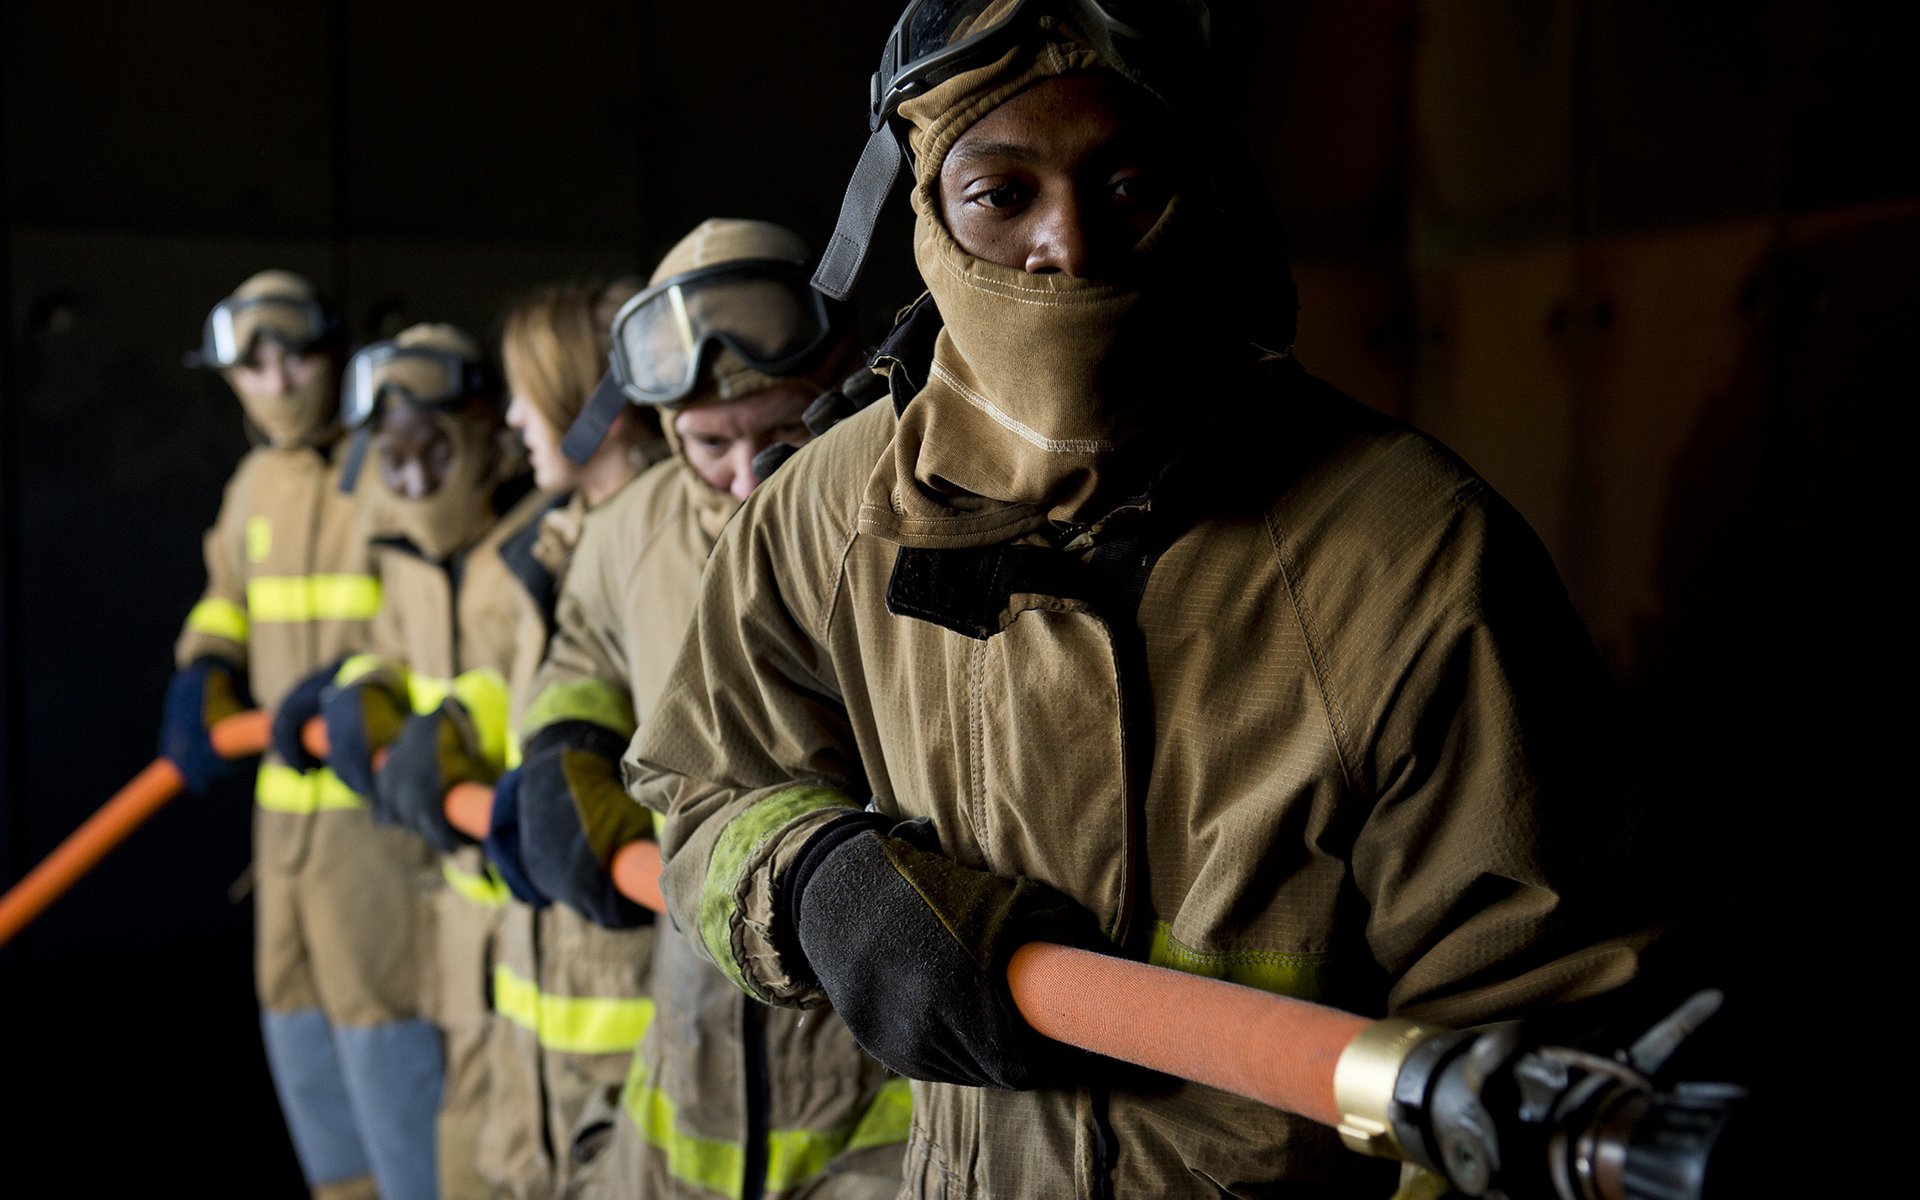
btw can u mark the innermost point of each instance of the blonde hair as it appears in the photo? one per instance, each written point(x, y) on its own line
point(555, 341)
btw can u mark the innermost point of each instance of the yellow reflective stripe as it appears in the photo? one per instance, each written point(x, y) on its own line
point(359, 666)
point(284, 789)
point(488, 891)
point(425, 692)
point(344, 597)
point(1296, 974)
point(571, 1024)
point(593, 700)
point(736, 847)
point(296, 598)
point(219, 618)
point(483, 693)
point(795, 1157)
point(887, 1120)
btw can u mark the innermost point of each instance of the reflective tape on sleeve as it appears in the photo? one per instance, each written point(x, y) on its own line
point(592, 700)
point(1286, 973)
point(485, 696)
point(219, 618)
point(736, 848)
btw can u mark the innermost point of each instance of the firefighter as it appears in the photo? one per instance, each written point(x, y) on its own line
point(1117, 628)
point(427, 706)
point(569, 998)
point(289, 589)
point(726, 1098)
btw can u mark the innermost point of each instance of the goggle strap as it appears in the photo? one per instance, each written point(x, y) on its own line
point(589, 429)
point(356, 457)
point(867, 192)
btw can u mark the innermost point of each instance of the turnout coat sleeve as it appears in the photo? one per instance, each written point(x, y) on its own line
point(751, 724)
point(217, 625)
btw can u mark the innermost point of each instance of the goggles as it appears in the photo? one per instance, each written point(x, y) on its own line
point(934, 40)
point(761, 309)
point(422, 376)
point(232, 328)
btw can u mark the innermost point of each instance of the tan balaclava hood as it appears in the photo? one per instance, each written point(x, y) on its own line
point(727, 376)
point(305, 414)
point(460, 510)
point(1042, 387)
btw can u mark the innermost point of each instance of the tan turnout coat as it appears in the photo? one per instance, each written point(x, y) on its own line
point(1341, 748)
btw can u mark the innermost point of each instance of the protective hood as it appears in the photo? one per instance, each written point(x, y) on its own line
point(1046, 391)
point(455, 514)
point(285, 307)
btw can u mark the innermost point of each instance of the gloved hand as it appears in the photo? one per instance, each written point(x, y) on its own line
point(301, 705)
point(503, 841)
point(433, 752)
point(574, 816)
point(362, 717)
point(912, 949)
point(201, 694)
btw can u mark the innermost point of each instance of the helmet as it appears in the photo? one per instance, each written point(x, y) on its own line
point(1161, 44)
point(271, 304)
point(728, 306)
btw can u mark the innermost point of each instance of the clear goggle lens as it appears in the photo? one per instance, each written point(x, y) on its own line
point(235, 325)
point(763, 311)
point(423, 377)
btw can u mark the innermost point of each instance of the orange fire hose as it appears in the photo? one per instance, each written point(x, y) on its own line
point(1274, 1049)
point(238, 736)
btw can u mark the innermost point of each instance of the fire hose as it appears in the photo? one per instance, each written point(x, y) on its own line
point(1493, 1112)
point(239, 736)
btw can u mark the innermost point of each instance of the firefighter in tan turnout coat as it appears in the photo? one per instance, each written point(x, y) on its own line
point(1116, 628)
point(726, 1097)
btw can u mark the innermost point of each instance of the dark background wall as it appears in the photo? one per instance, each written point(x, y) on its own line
point(1649, 267)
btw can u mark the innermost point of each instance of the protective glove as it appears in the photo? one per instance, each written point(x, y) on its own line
point(433, 752)
point(503, 842)
point(301, 705)
point(201, 694)
point(362, 717)
point(912, 949)
point(574, 816)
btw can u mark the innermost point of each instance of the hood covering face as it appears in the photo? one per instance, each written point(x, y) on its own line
point(304, 415)
point(455, 514)
point(1043, 388)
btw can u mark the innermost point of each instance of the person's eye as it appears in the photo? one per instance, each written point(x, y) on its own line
point(712, 444)
point(1136, 189)
point(1009, 193)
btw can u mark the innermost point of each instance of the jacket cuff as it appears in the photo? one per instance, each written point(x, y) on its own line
point(740, 899)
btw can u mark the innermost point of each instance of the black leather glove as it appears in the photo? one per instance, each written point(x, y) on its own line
point(433, 752)
point(575, 816)
point(201, 694)
point(362, 717)
point(912, 949)
point(300, 705)
point(503, 842)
